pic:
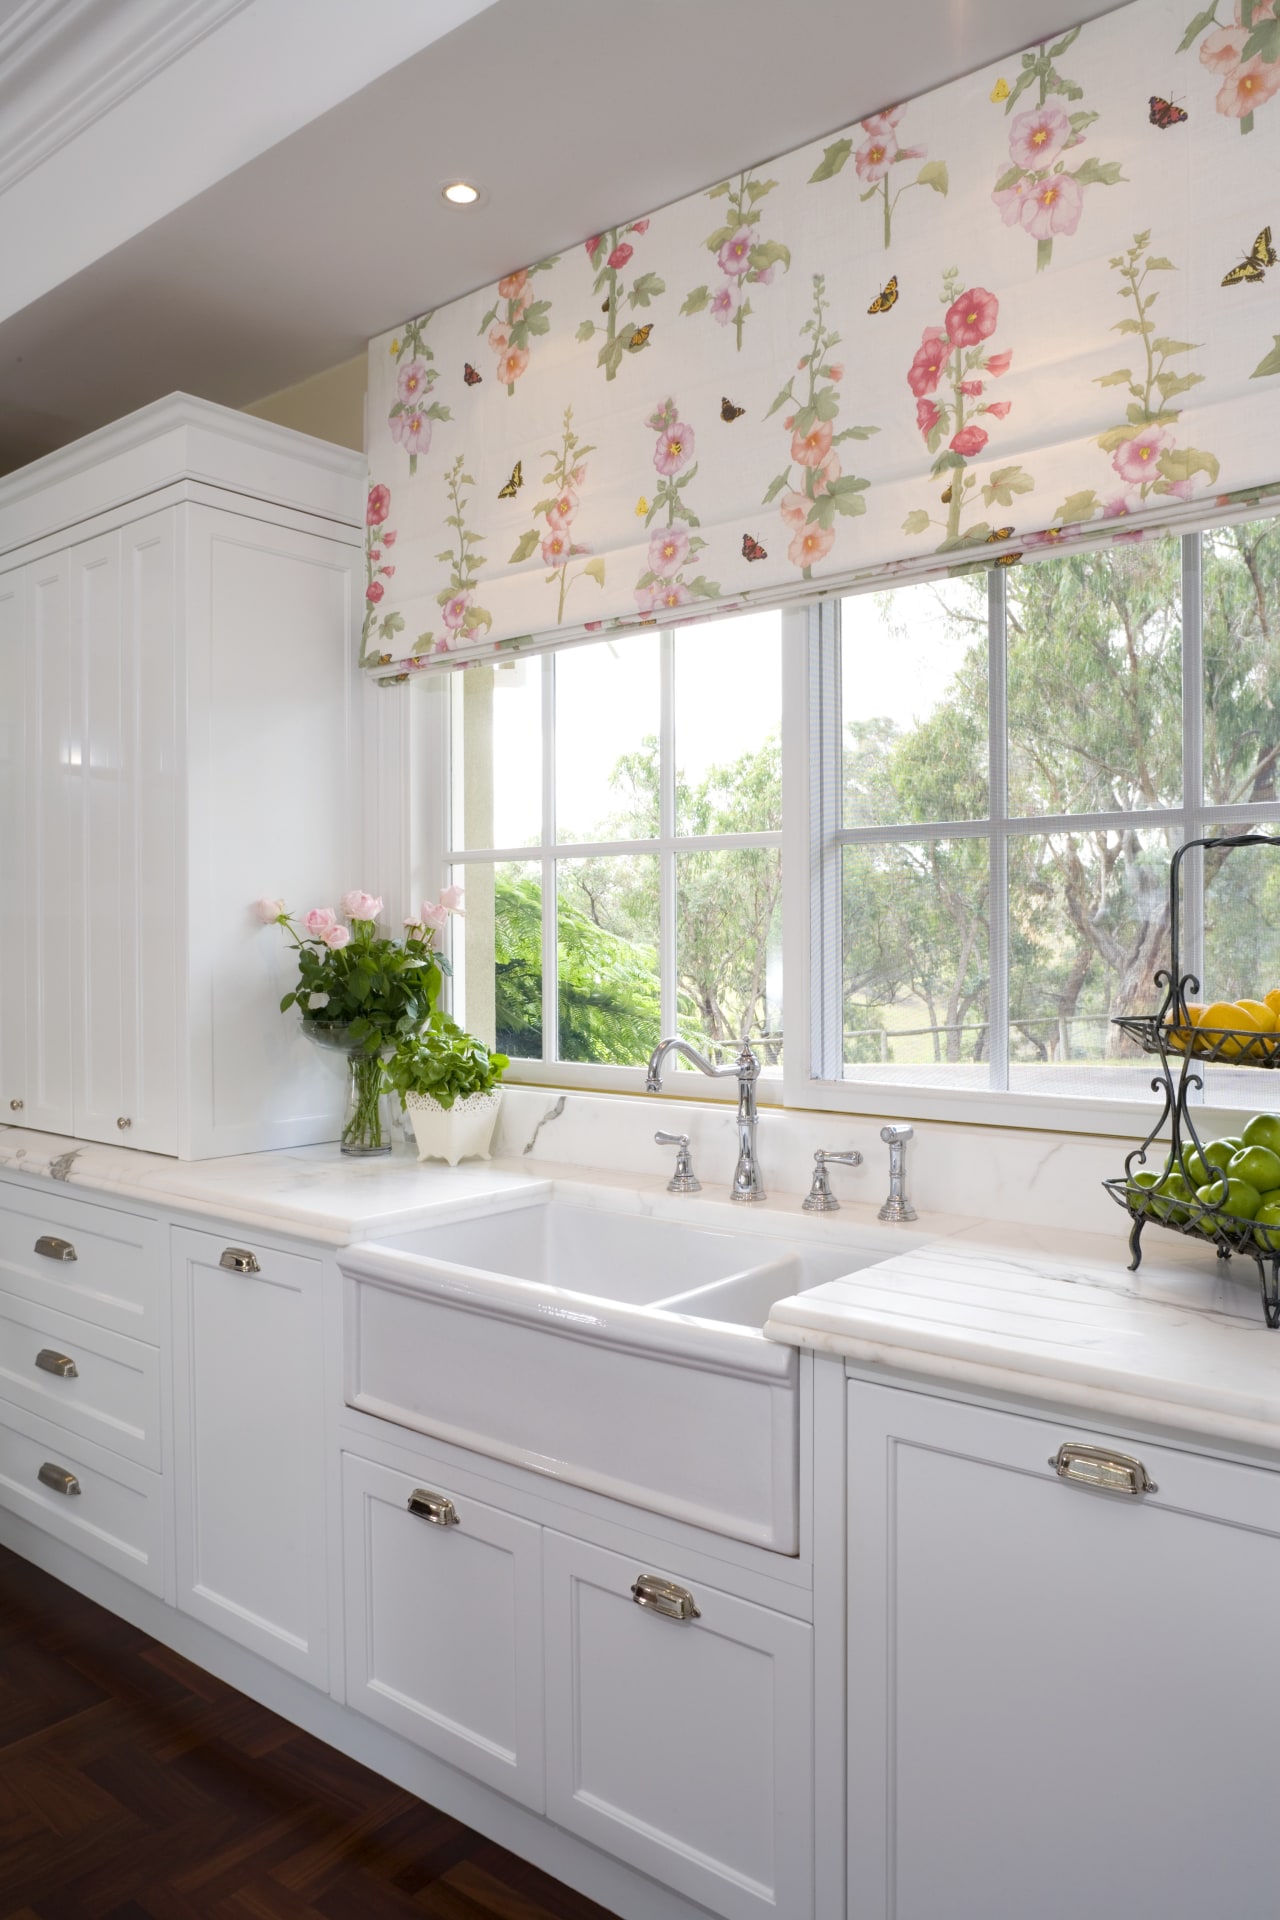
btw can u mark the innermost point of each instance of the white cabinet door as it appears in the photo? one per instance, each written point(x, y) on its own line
point(274, 796)
point(1062, 1702)
point(44, 906)
point(249, 1447)
point(13, 846)
point(444, 1624)
point(684, 1747)
point(123, 647)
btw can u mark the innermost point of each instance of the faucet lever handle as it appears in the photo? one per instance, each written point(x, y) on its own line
point(820, 1198)
point(683, 1180)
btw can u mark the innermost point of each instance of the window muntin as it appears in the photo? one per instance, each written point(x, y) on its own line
point(650, 898)
point(1105, 696)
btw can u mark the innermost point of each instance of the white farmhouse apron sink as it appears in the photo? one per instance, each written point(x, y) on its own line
point(588, 1335)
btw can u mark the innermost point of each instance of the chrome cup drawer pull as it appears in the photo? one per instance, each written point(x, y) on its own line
point(52, 1248)
point(58, 1478)
point(435, 1507)
point(50, 1361)
point(1100, 1467)
point(239, 1260)
point(664, 1597)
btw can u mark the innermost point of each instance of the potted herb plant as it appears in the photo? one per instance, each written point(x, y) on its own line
point(448, 1085)
point(362, 993)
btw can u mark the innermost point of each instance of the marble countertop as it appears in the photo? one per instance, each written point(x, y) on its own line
point(1051, 1314)
point(1037, 1313)
point(312, 1193)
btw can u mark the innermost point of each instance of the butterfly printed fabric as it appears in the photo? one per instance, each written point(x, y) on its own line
point(577, 449)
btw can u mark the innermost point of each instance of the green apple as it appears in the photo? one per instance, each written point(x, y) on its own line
point(1263, 1131)
point(1241, 1203)
point(1139, 1185)
point(1172, 1188)
point(1266, 1224)
point(1218, 1152)
point(1195, 1168)
point(1257, 1166)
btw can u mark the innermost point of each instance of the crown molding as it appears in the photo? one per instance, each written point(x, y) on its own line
point(175, 439)
point(66, 63)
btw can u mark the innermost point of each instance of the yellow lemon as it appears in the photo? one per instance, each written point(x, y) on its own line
point(1226, 1016)
point(1273, 1001)
point(1180, 1037)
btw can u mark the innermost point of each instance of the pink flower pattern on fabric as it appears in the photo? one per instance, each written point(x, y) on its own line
point(673, 546)
point(948, 376)
point(1038, 191)
point(813, 490)
point(874, 161)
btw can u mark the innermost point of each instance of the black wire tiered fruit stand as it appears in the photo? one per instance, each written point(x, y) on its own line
point(1181, 1047)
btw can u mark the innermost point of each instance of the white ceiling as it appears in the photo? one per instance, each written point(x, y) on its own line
point(573, 114)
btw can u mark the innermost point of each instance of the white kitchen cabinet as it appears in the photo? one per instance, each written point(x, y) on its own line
point(36, 792)
point(444, 1623)
point(682, 1746)
point(177, 687)
point(249, 1459)
point(1061, 1701)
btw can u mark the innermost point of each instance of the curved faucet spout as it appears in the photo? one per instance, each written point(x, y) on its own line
point(658, 1059)
point(745, 1070)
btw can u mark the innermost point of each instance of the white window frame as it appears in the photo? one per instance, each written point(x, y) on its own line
point(812, 838)
point(549, 852)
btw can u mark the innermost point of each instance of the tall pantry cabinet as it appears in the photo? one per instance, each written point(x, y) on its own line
point(179, 600)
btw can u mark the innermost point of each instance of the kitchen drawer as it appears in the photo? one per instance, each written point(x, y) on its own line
point(113, 1394)
point(117, 1518)
point(115, 1278)
point(444, 1624)
point(683, 1747)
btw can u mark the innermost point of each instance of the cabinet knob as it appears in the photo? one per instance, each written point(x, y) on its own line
point(15, 1106)
point(1102, 1468)
point(49, 1360)
point(124, 1123)
point(435, 1507)
point(664, 1597)
point(239, 1260)
point(51, 1248)
point(58, 1478)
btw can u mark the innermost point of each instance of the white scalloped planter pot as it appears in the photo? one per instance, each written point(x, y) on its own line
point(460, 1132)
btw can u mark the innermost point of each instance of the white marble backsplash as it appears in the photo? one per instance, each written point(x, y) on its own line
point(996, 1173)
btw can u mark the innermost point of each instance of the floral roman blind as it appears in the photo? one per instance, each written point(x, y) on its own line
point(1038, 305)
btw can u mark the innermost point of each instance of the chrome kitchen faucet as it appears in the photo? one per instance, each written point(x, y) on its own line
point(746, 1070)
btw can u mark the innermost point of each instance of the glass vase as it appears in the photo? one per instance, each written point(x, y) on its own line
point(366, 1124)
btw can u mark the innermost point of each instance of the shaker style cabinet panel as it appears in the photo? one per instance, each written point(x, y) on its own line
point(177, 689)
point(444, 1624)
point(249, 1446)
point(273, 811)
point(38, 771)
point(682, 1746)
point(1062, 1701)
point(123, 620)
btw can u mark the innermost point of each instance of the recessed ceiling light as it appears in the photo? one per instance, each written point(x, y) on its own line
point(460, 193)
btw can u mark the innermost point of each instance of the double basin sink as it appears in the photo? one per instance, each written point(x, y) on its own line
point(597, 1337)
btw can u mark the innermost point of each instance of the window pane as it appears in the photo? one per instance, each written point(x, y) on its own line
point(728, 687)
point(913, 668)
point(1241, 663)
point(607, 721)
point(496, 946)
point(497, 755)
point(607, 943)
point(1088, 928)
point(915, 963)
point(729, 949)
point(1095, 681)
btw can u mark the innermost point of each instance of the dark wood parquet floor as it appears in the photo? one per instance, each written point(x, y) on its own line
point(133, 1786)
